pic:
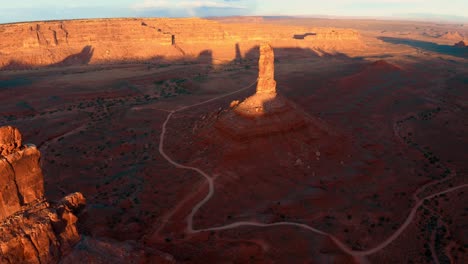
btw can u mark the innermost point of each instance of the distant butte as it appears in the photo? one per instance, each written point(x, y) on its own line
point(451, 36)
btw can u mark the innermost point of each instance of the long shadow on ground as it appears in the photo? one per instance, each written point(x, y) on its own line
point(429, 46)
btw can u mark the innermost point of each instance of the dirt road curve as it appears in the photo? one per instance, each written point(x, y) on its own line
point(358, 254)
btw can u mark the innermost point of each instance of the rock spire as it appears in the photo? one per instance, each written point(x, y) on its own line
point(266, 75)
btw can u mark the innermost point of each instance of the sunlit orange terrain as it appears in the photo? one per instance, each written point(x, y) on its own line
point(226, 141)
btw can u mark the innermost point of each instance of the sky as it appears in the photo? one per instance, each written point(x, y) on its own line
point(32, 10)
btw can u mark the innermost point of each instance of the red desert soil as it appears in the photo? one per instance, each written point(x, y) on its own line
point(357, 156)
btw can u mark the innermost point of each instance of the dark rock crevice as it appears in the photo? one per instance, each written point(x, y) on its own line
point(18, 192)
point(38, 254)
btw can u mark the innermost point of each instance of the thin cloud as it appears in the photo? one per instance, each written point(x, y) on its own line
point(164, 4)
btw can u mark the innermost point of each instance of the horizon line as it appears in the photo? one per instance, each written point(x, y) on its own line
point(456, 20)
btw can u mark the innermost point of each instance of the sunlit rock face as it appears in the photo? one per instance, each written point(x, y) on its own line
point(266, 75)
point(32, 230)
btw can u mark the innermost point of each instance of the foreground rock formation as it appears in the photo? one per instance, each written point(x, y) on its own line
point(32, 229)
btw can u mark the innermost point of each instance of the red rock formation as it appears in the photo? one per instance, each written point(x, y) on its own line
point(33, 231)
point(41, 232)
point(266, 112)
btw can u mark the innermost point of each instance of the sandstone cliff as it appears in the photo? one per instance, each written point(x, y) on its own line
point(33, 44)
point(32, 229)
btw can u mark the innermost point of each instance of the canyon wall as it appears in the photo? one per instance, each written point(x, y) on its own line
point(72, 42)
point(32, 229)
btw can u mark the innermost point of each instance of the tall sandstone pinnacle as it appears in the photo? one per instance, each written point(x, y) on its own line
point(266, 112)
point(266, 75)
point(31, 229)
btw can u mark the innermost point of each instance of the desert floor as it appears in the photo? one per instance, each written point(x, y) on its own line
point(396, 121)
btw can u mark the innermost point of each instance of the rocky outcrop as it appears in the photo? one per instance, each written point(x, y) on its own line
point(266, 77)
point(41, 233)
point(460, 44)
point(32, 229)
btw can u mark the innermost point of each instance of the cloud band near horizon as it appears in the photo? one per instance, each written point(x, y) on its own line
point(70, 9)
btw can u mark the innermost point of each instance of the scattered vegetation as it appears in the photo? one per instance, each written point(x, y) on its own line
point(429, 114)
point(171, 88)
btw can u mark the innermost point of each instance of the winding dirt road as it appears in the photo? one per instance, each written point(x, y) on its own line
point(209, 179)
point(357, 254)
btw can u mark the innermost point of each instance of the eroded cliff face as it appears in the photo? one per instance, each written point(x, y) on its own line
point(32, 229)
point(21, 181)
point(33, 44)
